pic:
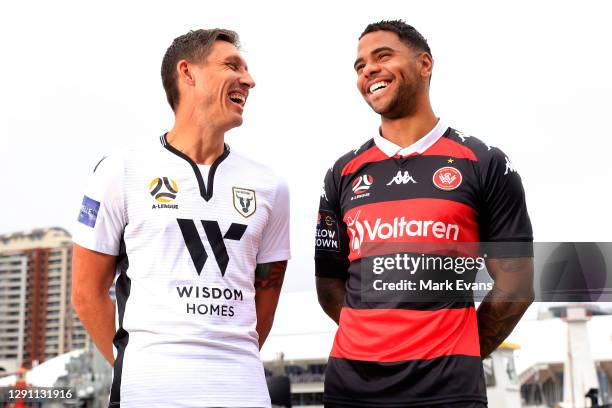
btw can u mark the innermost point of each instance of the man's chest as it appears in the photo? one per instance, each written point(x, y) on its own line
point(419, 199)
point(173, 201)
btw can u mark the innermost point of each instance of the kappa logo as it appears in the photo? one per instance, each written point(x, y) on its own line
point(323, 192)
point(447, 178)
point(462, 136)
point(402, 178)
point(509, 167)
point(245, 201)
point(362, 183)
point(215, 239)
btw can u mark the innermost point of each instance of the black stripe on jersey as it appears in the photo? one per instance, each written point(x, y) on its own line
point(414, 383)
point(206, 190)
point(446, 300)
point(389, 185)
point(443, 405)
point(121, 338)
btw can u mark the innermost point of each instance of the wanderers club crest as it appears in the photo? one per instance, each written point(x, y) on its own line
point(244, 201)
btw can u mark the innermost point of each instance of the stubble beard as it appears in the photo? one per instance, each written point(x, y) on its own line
point(403, 103)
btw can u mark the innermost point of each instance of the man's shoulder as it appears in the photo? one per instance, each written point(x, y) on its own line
point(127, 156)
point(256, 171)
point(353, 158)
point(481, 151)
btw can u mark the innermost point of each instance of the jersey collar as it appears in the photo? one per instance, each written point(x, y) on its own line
point(206, 190)
point(391, 149)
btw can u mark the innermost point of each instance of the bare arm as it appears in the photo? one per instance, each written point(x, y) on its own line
point(92, 277)
point(330, 292)
point(506, 303)
point(268, 283)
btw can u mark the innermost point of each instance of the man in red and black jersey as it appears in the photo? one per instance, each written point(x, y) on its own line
point(416, 182)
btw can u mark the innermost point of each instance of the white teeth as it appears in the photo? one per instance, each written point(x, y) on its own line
point(378, 86)
point(236, 97)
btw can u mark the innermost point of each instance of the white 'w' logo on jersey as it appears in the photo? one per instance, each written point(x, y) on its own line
point(402, 178)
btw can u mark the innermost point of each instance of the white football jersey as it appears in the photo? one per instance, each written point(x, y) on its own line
point(188, 249)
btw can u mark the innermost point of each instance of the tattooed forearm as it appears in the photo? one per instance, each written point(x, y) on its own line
point(268, 282)
point(502, 309)
point(270, 275)
point(497, 317)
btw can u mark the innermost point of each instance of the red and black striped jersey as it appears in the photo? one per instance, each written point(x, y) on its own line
point(446, 188)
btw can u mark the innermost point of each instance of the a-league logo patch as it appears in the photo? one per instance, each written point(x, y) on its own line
point(245, 201)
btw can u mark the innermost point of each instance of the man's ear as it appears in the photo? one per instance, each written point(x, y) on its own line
point(184, 72)
point(426, 64)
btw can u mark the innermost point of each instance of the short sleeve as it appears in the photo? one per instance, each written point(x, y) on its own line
point(275, 241)
point(504, 216)
point(102, 216)
point(331, 239)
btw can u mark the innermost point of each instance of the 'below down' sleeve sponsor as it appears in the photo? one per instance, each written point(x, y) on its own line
point(331, 240)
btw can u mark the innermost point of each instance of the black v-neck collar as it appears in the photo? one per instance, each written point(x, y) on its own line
point(206, 191)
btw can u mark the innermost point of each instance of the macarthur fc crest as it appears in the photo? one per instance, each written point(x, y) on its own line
point(244, 201)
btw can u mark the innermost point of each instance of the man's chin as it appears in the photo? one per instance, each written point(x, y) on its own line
point(236, 121)
point(380, 109)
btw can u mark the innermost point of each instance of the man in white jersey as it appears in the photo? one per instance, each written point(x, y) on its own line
point(198, 237)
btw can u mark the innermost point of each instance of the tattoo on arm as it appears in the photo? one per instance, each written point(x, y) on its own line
point(270, 275)
point(501, 310)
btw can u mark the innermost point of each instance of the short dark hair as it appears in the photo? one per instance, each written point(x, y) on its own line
point(193, 47)
point(406, 33)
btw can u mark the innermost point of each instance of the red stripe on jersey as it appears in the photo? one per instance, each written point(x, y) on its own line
point(447, 147)
point(417, 220)
point(388, 335)
point(373, 154)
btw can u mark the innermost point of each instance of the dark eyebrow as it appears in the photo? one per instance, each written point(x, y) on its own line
point(374, 52)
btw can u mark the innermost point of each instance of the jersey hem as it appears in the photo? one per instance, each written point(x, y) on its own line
point(420, 402)
point(210, 404)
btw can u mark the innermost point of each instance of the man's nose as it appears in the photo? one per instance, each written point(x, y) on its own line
point(369, 69)
point(247, 79)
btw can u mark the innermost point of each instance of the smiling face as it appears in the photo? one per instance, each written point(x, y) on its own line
point(391, 76)
point(220, 86)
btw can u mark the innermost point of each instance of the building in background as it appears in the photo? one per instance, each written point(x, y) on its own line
point(550, 351)
point(546, 363)
point(37, 321)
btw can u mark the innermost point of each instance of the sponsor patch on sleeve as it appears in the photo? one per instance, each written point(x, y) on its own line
point(327, 238)
point(89, 211)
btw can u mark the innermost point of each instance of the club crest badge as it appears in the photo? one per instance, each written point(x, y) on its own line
point(244, 201)
point(447, 178)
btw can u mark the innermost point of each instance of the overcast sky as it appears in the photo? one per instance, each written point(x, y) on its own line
point(81, 79)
